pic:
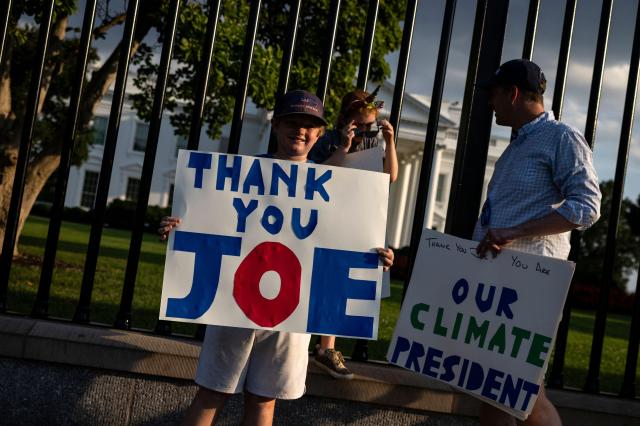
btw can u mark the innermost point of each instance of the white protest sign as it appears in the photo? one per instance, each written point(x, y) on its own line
point(484, 326)
point(369, 159)
point(278, 245)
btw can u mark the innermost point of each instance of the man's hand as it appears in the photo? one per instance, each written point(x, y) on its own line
point(347, 133)
point(495, 239)
point(553, 223)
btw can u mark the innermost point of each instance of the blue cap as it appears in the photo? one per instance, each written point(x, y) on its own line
point(522, 73)
point(300, 102)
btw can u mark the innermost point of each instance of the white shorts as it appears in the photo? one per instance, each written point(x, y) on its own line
point(272, 364)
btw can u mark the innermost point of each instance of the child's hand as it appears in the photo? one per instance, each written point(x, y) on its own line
point(166, 225)
point(347, 134)
point(387, 131)
point(386, 256)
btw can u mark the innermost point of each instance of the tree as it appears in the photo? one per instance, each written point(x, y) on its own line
point(627, 257)
point(225, 67)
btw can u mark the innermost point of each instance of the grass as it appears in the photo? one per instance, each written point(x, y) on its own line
point(65, 291)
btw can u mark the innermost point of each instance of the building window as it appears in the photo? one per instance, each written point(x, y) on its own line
point(133, 189)
point(99, 130)
point(181, 143)
point(140, 141)
point(493, 142)
point(440, 188)
point(89, 188)
point(452, 134)
point(170, 202)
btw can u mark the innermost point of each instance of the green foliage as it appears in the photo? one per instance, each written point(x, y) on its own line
point(50, 128)
point(627, 257)
point(272, 32)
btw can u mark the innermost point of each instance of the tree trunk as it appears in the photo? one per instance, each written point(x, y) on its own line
point(46, 162)
point(38, 173)
point(7, 172)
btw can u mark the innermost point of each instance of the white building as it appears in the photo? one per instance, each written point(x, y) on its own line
point(129, 156)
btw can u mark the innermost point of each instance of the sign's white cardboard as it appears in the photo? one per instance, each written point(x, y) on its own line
point(483, 326)
point(294, 242)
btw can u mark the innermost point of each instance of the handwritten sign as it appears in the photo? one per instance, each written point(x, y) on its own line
point(484, 326)
point(277, 245)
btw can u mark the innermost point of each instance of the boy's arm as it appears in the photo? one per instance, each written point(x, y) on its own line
point(390, 162)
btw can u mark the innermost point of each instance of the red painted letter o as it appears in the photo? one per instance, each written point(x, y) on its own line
point(268, 256)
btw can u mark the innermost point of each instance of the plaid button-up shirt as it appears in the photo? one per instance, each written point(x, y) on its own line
point(547, 167)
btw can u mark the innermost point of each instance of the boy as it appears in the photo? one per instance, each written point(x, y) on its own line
point(263, 364)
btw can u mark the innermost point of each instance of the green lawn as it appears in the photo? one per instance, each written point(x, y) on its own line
point(65, 291)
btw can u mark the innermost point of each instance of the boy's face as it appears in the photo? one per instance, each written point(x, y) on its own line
point(364, 121)
point(296, 136)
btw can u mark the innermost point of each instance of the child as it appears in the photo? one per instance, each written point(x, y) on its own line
point(356, 129)
point(263, 364)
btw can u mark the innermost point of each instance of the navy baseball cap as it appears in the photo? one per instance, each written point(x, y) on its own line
point(522, 73)
point(300, 102)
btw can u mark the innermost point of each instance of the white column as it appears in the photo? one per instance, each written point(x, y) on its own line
point(402, 187)
point(433, 186)
point(411, 200)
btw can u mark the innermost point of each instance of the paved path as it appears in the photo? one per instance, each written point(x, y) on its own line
point(40, 394)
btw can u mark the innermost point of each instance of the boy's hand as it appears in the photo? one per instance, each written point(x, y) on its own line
point(347, 134)
point(166, 225)
point(386, 256)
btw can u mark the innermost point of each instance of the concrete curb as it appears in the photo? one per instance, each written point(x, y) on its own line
point(376, 383)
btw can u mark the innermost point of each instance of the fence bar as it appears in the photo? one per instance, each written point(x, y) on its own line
point(471, 152)
point(598, 71)
point(367, 44)
point(243, 84)
point(530, 32)
point(325, 67)
point(361, 347)
point(628, 389)
point(83, 308)
point(41, 305)
point(203, 75)
point(563, 58)
point(30, 117)
point(432, 133)
point(556, 376)
point(287, 60)
point(403, 66)
point(628, 384)
point(5, 15)
point(592, 383)
point(123, 318)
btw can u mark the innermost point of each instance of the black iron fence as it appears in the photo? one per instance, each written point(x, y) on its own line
point(471, 153)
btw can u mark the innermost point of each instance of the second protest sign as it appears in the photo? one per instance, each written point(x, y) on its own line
point(484, 326)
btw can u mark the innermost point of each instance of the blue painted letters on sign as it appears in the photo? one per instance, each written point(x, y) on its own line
point(225, 172)
point(206, 271)
point(316, 185)
point(199, 161)
point(331, 287)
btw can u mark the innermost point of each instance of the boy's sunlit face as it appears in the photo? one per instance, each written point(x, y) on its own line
point(296, 135)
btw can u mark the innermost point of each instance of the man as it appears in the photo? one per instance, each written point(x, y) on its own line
point(544, 185)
